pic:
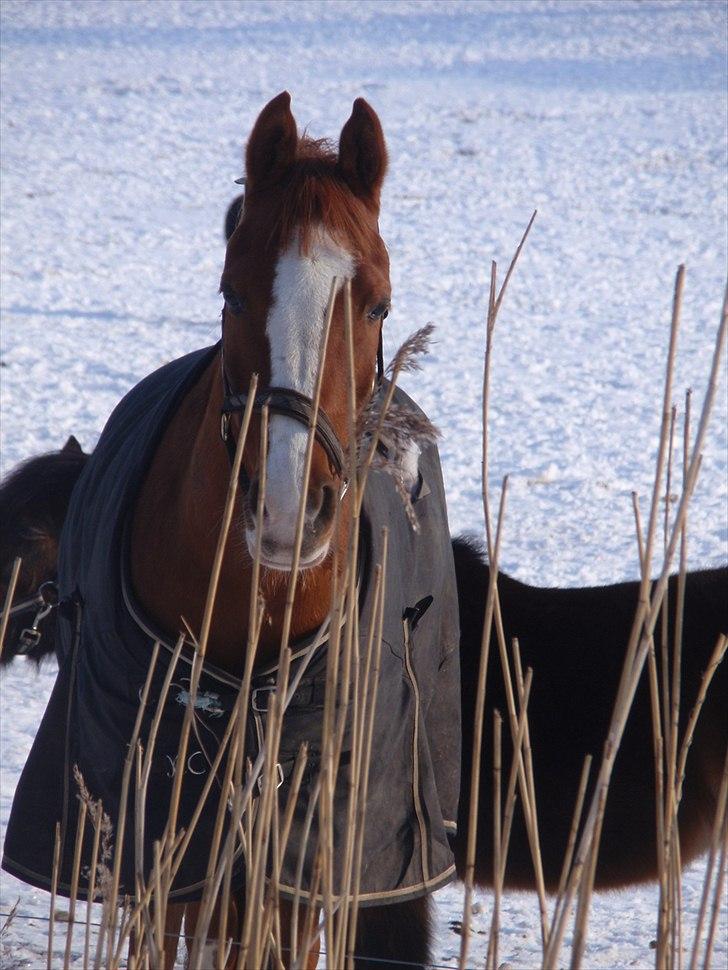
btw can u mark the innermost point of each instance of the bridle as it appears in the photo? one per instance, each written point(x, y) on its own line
point(289, 403)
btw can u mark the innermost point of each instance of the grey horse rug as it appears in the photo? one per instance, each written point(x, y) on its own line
point(105, 647)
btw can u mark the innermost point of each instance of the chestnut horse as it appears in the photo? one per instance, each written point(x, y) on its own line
point(310, 215)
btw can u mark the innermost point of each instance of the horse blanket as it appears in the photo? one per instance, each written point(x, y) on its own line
point(105, 647)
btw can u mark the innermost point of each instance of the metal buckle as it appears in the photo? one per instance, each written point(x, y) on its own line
point(28, 639)
point(224, 425)
point(254, 697)
point(279, 770)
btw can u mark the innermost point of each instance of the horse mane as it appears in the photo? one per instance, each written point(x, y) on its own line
point(39, 489)
point(313, 193)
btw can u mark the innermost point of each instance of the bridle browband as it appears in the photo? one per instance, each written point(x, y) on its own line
point(289, 403)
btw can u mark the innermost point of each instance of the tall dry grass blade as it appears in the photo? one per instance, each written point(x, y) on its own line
point(73, 896)
point(528, 807)
point(316, 404)
point(664, 428)
point(586, 888)
point(512, 265)
point(372, 677)
point(201, 645)
point(478, 733)
point(96, 817)
point(7, 605)
point(491, 960)
point(716, 658)
point(516, 760)
point(719, 824)
point(123, 805)
point(571, 841)
point(9, 918)
point(717, 894)
point(54, 893)
point(529, 794)
point(639, 643)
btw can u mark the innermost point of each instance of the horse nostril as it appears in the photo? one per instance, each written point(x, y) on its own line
point(253, 495)
point(321, 506)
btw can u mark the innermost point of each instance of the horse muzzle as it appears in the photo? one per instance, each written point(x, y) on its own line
point(279, 521)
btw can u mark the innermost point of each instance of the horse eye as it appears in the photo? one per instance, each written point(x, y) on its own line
point(379, 312)
point(233, 302)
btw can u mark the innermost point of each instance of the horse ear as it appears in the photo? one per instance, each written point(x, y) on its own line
point(272, 144)
point(363, 153)
point(72, 447)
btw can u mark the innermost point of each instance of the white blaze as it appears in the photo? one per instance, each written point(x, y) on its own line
point(295, 326)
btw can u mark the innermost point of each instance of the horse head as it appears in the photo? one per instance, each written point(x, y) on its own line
point(310, 216)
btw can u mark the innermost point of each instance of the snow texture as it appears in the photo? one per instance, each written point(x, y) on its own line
point(123, 126)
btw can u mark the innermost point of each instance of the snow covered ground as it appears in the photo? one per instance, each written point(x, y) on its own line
point(122, 131)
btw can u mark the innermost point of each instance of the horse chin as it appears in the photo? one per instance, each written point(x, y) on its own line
point(282, 560)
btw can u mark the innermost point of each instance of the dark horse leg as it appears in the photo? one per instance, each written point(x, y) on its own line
point(392, 935)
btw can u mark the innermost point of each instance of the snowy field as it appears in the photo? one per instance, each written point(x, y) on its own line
point(123, 126)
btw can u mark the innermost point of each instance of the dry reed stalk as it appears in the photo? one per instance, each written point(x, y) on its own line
point(350, 672)
point(311, 932)
point(208, 902)
point(201, 645)
point(586, 888)
point(10, 917)
point(316, 400)
point(715, 659)
point(275, 714)
point(663, 442)
point(571, 841)
point(658, 747)
point(10, 593)
point(718, 892)
point(478, 732)
point(54, 892)
point(373, 680)
point(670, 916)
point(491, 961)
point(510, 803)
point(80, 829)
point(638, 643)
point(494, 303)
point(255, 868)
point(675, 708)
point(110, 921)
point(311, 809)
point(96, 816)
point(664, 612)
point(529, 790)
point(719, 824)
